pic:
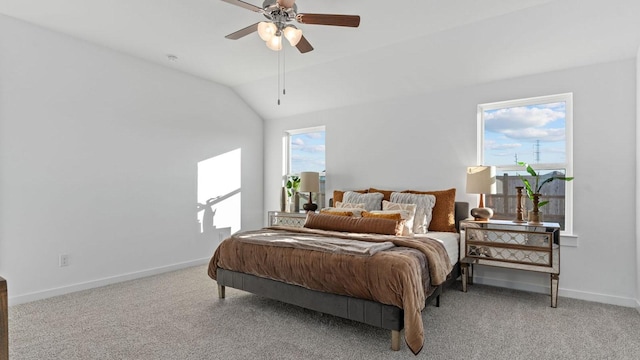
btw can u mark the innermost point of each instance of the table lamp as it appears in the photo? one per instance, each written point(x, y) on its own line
point(310, 182)
point(481, 180)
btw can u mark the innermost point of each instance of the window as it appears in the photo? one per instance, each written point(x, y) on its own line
point(305, 151)
point(537, 131)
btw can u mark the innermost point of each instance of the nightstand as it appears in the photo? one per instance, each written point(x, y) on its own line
point(510, 245)
point(281, 218)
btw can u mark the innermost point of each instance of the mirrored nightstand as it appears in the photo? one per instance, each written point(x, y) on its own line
point(506, 244)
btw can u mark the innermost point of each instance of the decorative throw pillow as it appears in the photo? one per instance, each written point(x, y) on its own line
point(444, 211)
point(356, 209)
point(339, 194)
point(335, 211)
point(353, 224)
point(349, 205)
point(371, 201)
point(408, 212)
point(381, 214)
point(386, 193)
point(424, 207)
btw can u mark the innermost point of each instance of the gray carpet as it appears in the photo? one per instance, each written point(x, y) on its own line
point(177, 315)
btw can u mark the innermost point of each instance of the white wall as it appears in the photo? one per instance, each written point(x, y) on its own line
point(98, 160)
point(426, 141)
point(638, 183)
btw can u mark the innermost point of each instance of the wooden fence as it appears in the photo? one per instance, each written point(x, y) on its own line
point(504, 203)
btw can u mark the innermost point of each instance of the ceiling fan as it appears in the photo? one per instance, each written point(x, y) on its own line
point(280, 13)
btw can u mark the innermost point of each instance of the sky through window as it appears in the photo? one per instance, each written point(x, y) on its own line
point(533, 134)
point(307, 152)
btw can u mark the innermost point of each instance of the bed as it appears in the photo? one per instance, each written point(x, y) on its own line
point(379, 277)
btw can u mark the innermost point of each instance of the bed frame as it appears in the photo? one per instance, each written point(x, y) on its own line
point(365, 311)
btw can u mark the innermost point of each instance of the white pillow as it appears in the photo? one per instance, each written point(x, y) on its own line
point(340, 204)
point(371, 201)
point(424, 208)
point(407, 212)
point(356, 209)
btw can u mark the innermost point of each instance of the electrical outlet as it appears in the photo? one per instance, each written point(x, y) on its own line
point(64, 260)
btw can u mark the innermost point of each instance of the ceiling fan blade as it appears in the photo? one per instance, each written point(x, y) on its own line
point(243, 32)
point(329, 19)
point(243, 4)
point(287, 4)
point(303, 45)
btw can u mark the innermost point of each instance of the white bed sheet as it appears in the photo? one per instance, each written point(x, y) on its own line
point(450, 240)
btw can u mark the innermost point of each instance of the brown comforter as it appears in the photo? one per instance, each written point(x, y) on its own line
point(400, 275)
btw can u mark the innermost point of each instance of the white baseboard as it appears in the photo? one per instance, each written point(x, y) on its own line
point(601, 298)
point(510, 284)
point(574, 294)
point(102, 282)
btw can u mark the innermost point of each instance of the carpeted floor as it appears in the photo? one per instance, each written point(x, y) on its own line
point(178, 315)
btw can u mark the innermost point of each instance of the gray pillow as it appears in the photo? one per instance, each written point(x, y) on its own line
point(371, 201)
point(424, 209)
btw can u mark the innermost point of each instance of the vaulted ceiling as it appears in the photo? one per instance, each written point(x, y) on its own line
point(400, 48)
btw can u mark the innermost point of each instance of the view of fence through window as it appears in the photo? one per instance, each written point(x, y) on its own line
point(533, 131)
point(504, 203)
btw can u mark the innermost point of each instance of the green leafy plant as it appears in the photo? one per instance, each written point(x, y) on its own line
point(538, 185)
point(293, 184)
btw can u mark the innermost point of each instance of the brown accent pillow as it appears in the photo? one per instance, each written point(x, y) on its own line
point(444, 217)
point(353, 224)
point(338, 194)
point(386, 193)
point(334, 212)
point(394, 216)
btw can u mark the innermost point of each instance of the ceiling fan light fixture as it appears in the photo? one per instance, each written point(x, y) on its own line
point(292, 34)
point(275, 43)
point(267, 30)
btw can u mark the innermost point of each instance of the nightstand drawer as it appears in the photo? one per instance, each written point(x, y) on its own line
point(509, 254)
point(279, 218)
point(538, 239)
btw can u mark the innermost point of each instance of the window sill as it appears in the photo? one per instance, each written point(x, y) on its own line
point(569, 240)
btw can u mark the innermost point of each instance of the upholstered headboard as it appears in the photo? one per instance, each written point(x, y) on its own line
point(462, 212)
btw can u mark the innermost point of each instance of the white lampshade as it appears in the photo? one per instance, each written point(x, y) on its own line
point(309, 181)
point(292, 34)
point(275, 43)
point(266, 30)
point(481, 180)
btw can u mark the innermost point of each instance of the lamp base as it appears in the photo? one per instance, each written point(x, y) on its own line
point(481, 214)
point(310, 207)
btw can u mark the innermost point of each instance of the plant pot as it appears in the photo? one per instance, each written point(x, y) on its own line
point(293, 202)
point(535, 215)
point(535, 218)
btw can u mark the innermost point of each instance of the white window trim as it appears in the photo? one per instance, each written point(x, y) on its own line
point(567, 98)
point(286, 171)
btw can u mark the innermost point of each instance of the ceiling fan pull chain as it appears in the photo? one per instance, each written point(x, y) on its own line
point(284, 71)
point(278, 77)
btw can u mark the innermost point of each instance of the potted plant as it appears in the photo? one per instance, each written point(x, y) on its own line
point(292, 186)
point(534, 192)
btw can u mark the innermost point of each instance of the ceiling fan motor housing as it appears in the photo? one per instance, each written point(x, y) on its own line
point(278, 14)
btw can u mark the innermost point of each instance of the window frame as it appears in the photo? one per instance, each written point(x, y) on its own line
point(286, 161)
point(567, 166)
